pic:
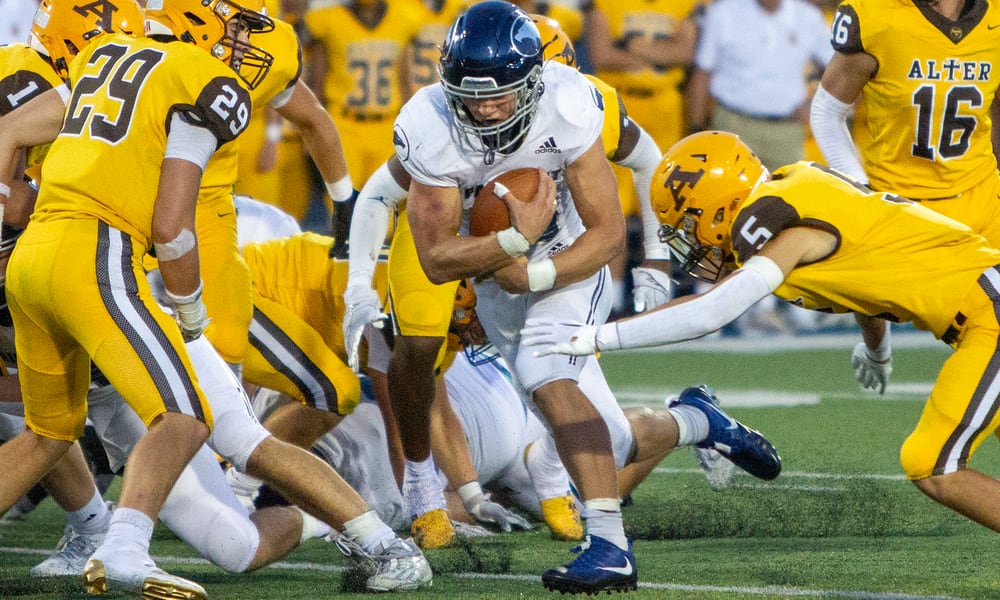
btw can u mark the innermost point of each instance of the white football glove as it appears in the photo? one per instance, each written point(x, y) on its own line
point(190, 313)
point(574, 339)
point(870, 373)
point(488, 512)
point(650, 288)
point(362, 307)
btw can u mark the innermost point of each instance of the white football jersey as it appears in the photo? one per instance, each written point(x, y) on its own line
point(435, 152)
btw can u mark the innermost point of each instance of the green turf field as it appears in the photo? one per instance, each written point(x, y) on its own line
point(840, 522)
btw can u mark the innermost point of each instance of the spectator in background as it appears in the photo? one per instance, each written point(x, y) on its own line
point(423, 53)
point(750, 77)
point(641, 48)
point(357, 67)
point(16, 22)
point(750, 73)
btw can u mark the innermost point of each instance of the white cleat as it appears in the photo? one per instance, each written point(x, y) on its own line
point(401, 567)
point(70, 557)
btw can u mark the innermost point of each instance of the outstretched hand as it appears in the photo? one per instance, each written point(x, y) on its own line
point(575, 339)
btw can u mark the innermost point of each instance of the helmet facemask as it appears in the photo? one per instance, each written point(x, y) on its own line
point(250, 61)
point(698, 188)
point(504, 137)
point(704, 262)
point(216, 26)
point(492, 52)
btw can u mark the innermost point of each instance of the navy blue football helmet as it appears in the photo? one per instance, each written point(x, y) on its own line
point(492, 50)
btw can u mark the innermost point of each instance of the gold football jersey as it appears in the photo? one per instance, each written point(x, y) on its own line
point(894, 259)
point(364, 65)
point(299, 273)
point(24, 75)
point(426, 50)
point(106, 161)
point(654, 19)
point(927, 107)
point(611, 133)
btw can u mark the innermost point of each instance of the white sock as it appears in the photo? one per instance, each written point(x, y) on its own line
point(312, 527)
point(94, 517)
point(368, 530)
point(130, 529)
point(603, 518)
point(692, 424)
point(422, 489)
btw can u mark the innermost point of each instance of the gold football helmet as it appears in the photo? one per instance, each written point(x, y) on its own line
point(556, 45)
point(699, 184)
point(62, 28)
point(206, 23)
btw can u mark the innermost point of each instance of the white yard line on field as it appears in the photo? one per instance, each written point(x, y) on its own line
point(738, 590)
point(644, 396)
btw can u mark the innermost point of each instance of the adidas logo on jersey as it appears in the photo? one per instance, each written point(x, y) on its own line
point(548, 146)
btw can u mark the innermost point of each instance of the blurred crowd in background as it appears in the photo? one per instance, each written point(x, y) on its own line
point(679, 66)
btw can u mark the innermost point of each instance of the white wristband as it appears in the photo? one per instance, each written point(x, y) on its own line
point(469, 491)
point(340, 190)
point(541, 275)
point(273, 133)
point(512, 242)
point(4, 190)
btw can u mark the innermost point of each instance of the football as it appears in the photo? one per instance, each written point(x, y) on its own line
point(489, 211)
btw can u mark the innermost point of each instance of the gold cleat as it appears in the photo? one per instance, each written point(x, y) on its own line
point(433, 529)
point(563, 518)
point(161, 585)
point(157, 584)
point(93, 578)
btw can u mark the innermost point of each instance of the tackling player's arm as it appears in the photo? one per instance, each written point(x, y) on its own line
point(319, 134)
point(693, 316)
point(435, 215)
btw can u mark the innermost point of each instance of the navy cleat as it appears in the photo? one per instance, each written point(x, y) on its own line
point(600, 567)
point(746, 448)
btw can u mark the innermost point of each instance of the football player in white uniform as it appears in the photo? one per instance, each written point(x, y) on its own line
point(496, 110)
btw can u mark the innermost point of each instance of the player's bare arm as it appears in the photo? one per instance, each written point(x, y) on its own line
point(172, 214)
point(846, 74)
point(318, 131)
point(595, 195)
point(435, 215)
point(799, 245)
point(34, 124)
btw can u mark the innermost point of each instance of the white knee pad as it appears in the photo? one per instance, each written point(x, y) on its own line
point(236, 432)
point(203, 511)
